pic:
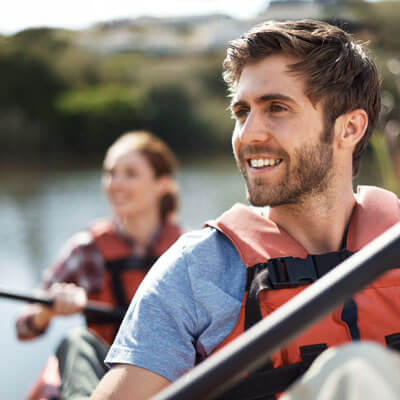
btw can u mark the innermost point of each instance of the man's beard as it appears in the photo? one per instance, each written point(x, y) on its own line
point(308, 173)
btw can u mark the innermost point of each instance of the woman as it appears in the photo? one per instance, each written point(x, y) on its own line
point(108, 261)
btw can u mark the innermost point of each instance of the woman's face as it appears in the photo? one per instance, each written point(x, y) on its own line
point(130, 184)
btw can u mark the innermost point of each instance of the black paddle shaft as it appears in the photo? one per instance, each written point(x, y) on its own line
point(94, 311)
point(250, 350)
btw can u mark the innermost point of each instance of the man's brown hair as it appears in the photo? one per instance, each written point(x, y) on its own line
point(336, 69)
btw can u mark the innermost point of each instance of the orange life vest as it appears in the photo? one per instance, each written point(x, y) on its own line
point(123, 275)
point(372, 314)
point(123, 272)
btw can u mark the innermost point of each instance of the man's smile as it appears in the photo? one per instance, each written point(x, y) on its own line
point(263, 162)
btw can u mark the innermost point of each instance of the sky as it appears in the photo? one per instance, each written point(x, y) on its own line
point(16, 15)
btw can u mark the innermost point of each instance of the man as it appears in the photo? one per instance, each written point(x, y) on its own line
point(305, 98)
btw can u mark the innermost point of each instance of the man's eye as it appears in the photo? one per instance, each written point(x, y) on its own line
point(277, 108)
point(240, 113)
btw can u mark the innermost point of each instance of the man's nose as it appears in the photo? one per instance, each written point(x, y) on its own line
point(254, 129)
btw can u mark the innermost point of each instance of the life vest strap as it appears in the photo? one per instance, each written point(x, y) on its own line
point(285, 272)
point(265, 384)
point(393, 341)
point(130, 263)
point(116, 267)
point(310, 353)
point(279, 273)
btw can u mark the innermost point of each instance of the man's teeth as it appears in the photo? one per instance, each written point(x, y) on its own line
point(264, 162)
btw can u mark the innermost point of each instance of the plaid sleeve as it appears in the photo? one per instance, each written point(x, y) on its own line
point(25, 328)
point(80, 262)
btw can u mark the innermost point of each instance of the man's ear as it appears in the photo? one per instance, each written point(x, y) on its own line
point(350, 127)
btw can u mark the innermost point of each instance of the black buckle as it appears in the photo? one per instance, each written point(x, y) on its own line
point(291, 272)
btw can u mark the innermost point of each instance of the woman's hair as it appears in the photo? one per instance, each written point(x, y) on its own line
point(335, 68)
point(161, 159)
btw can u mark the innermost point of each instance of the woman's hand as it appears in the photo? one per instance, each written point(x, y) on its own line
point(68, 298)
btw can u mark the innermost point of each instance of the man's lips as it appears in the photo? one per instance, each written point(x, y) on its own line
point(263, 162)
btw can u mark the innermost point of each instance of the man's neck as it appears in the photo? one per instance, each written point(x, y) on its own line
point(319, 223)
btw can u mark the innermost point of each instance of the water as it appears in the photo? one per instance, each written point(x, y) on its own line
point(40, 208)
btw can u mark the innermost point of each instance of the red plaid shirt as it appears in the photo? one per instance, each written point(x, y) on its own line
point(80, 262)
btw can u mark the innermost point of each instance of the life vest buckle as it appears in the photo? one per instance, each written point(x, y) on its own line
point(291, 272)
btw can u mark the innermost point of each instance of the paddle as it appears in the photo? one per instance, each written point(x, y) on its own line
point(96, 312)
point(216, 374)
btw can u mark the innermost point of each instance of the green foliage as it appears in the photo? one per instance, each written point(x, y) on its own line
point(40, 41)
point(383, 163)
point(58, 95)
point(29, 84)
point(92, 117)
point(170, 113)
point(28, 88)
point(383, 17)
point(210, 77)
point(95, 116)
point(103, 101)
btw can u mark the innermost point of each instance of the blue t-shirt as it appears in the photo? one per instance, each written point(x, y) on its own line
point(188, 303)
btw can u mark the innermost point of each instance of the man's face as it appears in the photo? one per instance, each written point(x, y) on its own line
point(279, 140)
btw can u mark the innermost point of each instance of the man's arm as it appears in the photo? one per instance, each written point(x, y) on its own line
point(125, 381)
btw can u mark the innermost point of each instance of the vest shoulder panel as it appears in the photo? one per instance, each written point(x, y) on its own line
point(370, 315)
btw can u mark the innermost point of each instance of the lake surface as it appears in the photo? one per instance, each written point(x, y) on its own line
point(41, 207)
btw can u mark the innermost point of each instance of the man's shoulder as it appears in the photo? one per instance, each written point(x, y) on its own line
point(198, 247)
point(207, 238)
point(204, 253)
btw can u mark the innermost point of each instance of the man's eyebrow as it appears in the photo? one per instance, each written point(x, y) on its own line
point(262, 99)
point(237, 103)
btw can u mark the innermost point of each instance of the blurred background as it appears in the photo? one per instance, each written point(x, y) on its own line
point(75, 75)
